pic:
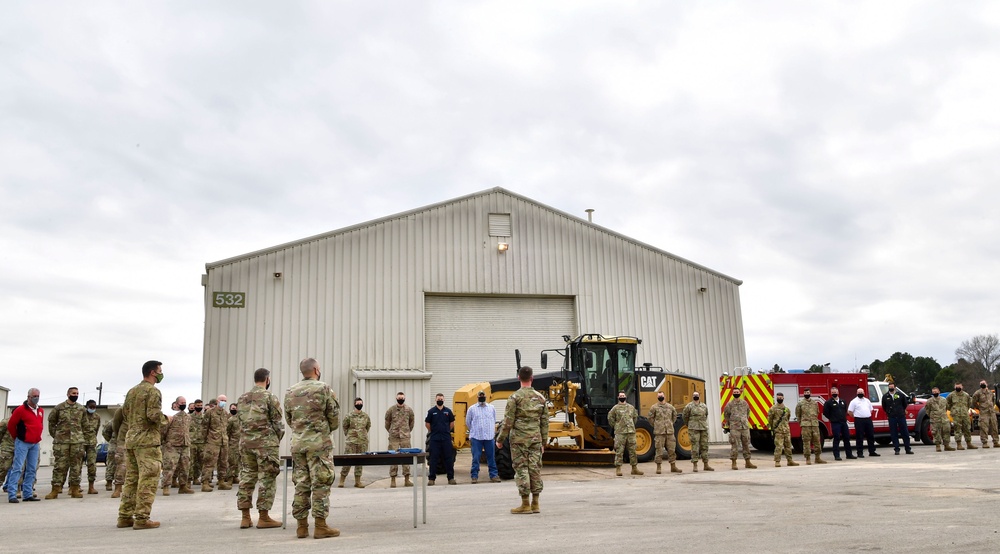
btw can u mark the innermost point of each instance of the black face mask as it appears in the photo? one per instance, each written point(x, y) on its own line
point(482, 399)
point(807, 396)
point(267, 385)
point(892, 390)
point(440, 402)
point(232, 412)
point(400, 401)
point(621, 399)
point(73, 398)
point(736, 395)
point(198, 408)
point(834, 395)
point(861, 395)
point(958, 389)
point(936, 394)
point(696, 398)
point(781, 401)
point(191, 410)
point(659, 399)
point(982, 385)
point(359, 406)
point(182, 407)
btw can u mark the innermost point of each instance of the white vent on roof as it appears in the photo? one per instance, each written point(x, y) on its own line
point(500, 225)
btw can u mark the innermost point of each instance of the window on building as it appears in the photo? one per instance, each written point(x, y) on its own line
point(499, 225)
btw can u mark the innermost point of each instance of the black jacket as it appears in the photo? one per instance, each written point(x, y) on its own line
point(894, 403)
point(835, 410)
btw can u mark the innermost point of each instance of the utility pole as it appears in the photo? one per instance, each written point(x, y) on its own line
point(100, 390)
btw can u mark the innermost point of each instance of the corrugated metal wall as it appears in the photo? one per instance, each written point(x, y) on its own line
point(354, 299)
point(378, 389)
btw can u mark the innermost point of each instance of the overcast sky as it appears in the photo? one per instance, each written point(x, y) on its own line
point(842, 159)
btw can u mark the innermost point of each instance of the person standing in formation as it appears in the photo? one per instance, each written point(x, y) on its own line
point(399, 423)
point(959, 405)
point(177, 449)
point(737, 417)
point(356, 427)
point(25, 426)
point(663, 415)
point(261, 429)
point(233, 436)
point(983, 401)
point(777, 422)
point(937, 411)
point(622, 419)
point(696, 418)
point(481, 420)
point(835, 410)
point(109, 459)
point(143, 410)
point(526, 424)
point(197, 441)
point(808, 412)
point(66, 430)
point(91, 425)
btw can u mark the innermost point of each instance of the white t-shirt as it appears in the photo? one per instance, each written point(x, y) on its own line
point(860, 407)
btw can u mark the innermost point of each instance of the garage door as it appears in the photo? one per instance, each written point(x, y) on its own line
point(472, 339)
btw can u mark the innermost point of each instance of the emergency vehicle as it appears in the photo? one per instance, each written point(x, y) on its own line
point(759, 390)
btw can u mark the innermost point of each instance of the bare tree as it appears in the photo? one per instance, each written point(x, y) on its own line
point(984, 349)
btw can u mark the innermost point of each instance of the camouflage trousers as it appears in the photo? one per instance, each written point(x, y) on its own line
point(942, 432)
point(812, 441)
point(141, 478)
point(68, 460)
point(396, 444)
point(223, 467)
point(312, 474)
point(90, 455)
point(211, 458)
point(354, 448)
point(109, 463)
point(963, 428)
point(235, 464)
point(988, 427)
point(6, 460)
point(739, 439)
point(176, 461)
point(259, 464)
point(527, 462)
point(121, 464)
point(782, 445)
point(699, 444)
point(623, 442)
point(666, 443)
point(197, 452)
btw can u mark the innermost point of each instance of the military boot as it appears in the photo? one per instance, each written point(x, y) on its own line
point(777, 463)
point(706, 466)
point(357, 483)
point(658, 471)
point(118, 491)
point(524, 508)
point(996, 444)
point(108, 486)
point(734, 464)
point(91, 490)
point(960, 447)
point(986, 444)
point(185, 489)
point(265, 521)
point(124, 522)
point(340, 484)
point(166, 491)
point(406, 481)
point(321, 531)
point(302, 531)
point(820, 460)
point(225, 486)
point(205, 487)
point(75, 492)
point(791, 462)
point(636, 470)
point(970, 446)
point(618, 471)
point(56, 489)
point(808, 461)
point(145, 524)
point(245, 521)
point(534, 503)
point(748, 464)
point(937, 448)
point(949, 448)
point(674, 468)
point(695, 464)
point(392, 482)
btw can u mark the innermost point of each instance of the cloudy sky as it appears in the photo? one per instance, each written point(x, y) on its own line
point(842, 159)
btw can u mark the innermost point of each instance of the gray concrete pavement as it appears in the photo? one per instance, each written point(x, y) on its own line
point(927, 501)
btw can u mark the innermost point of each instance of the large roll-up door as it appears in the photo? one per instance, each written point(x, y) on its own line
point(469, 339)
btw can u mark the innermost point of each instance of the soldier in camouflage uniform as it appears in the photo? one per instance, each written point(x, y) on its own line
point(959, 404)
point(312, 411)
point(215, 434)
point(233, 436)
point(66, 428)
point(261, 429)
point(91, 425)
point(119, 427)
point(142, 411)
point(696, 417)
point(177, 449)
point(399, 424)
point(356, 427)
point(663, 415)
point(807, 413)
point(222, 468)
point(197, 441)
point(736, 416)
point(777, 421)
point(526, 424)
point(983, 401)
point(622, 419)
point(109, 461)
point(937, 411)
point(6, 452)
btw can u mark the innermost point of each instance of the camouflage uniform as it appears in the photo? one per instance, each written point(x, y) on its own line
point(142, 412)
point(982, 400)
point(6, 450)
point(526, 423)
point(663, 416)
point(622, 418)
point(215, 434)
point(176, 449)
point(737, 416)
point(312, 412)
point(109, 461)
point(696, 418)
point(91, 425)
point(959, 404)
point(66, 428)
point(356, 427)
point(233, 436)
point(807, 412)
point(223, 464)
point(197, 445)
point(399, 424)
point(261, 429)
point(119, 428)
point(937, 411)
point(777, 421)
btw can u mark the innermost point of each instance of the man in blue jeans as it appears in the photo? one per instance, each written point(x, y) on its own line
point(481, 419)
point(25, 426)
point(440, 422)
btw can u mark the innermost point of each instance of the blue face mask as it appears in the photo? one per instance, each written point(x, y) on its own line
point(91, 410)
point(222, 403)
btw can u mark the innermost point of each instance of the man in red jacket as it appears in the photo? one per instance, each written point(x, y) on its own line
point(25, 426)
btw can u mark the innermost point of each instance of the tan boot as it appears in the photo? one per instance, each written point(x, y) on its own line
point(734, 465)
point(323, 532)
point(56, 489)
point(205, 487)
point(524, 508)
point(124, 522)
point(302, 531)
point(392, 482)
point(340, 484)
point(147, 524)
point(265, 521)
point(960, 447)
point(674, 468)
point(534, 503)
point(970, 446)
point(791, 462)
point(166, 491)
point(245, 521)
point(820, 460)
point(695, 464)
point(748, 464)
point(618, 471)
point(637, 471)
point(225, 486)
point(406, 481)
point(184, 489)
point(108, 486)
point(118, 491)
point(949, 448)
point(706, 466)
point(91, 490)
point(937, 447)
point(658, 470)
point(808, 461)
point(777, 463)
point(75, 492)
point(357, 483)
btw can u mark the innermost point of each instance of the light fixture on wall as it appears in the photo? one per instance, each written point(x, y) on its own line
point(277, 275)
point(502, 247)
point(702, 289)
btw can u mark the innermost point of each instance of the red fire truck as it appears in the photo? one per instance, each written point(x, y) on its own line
point(759, 390)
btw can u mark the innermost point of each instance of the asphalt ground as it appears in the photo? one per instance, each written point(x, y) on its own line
point(928, 501)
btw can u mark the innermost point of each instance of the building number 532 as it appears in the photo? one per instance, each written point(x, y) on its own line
point(229, 300)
